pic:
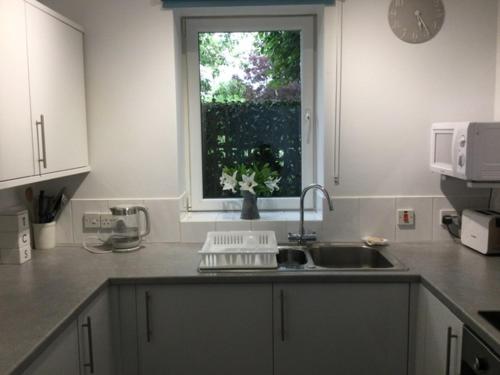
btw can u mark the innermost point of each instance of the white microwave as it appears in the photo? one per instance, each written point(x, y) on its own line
point(466, 150)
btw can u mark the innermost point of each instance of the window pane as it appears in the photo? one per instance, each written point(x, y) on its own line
point(251, 106)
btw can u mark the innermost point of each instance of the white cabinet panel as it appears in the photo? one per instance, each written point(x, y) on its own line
point(56, 71)
point(16, 142)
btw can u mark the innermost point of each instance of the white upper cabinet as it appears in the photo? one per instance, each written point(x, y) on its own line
point(43, 125)
point(56, 73)
point(16, 142)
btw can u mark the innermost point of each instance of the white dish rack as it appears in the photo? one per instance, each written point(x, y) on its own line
point(239, 250)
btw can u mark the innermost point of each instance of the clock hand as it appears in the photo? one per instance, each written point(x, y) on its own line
point(421, 22)
point(425, 26)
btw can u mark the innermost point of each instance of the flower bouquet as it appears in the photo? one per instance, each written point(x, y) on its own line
point(252, 182)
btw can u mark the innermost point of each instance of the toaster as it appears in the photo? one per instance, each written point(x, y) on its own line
point(481, 230)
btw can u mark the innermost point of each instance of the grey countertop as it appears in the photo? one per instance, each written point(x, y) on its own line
point(39, 298)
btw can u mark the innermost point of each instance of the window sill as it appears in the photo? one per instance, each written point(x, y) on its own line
point(234, 216)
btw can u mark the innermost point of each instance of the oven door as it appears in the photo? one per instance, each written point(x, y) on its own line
point(477, 358)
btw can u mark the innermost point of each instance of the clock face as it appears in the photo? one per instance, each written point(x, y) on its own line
point(416, 21)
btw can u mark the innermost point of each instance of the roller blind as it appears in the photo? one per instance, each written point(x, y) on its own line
point(229, 3)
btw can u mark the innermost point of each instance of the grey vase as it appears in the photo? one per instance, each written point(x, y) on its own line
point(249, 210)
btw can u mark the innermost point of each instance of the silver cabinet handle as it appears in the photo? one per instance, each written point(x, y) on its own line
point(90, 364)
point(450, 336)
point(282, 310)
point(149, 332)
point(41, 124)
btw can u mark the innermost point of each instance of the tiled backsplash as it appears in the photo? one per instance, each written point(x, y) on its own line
point(353, 218)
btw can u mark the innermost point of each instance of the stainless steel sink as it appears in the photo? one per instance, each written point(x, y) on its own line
point(337, 257)
point(348, 256)
point(291, 258)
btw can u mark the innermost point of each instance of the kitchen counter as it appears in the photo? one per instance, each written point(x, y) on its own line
point(39, 298)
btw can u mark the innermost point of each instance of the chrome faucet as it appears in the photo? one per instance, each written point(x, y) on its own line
point(302, 237)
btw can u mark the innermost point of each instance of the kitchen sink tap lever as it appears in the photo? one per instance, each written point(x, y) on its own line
point(302, 237)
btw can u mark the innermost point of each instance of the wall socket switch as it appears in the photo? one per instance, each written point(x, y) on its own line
point(446, 212)
point(107, 221)
point(91, 221)
point(406, 218)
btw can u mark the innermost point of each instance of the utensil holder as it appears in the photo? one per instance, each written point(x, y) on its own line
point(44, 235)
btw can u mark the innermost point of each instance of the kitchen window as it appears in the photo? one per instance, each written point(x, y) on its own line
point(250, 83)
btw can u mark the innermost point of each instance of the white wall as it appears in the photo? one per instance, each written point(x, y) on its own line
point(131, 97)
point(497, 82)
point(8, 198)
point(393, 91)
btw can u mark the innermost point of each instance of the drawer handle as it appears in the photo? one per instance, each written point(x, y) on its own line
point(90, 364)
point(450, 336)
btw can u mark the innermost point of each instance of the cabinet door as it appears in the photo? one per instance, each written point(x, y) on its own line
point(205, 329)
point(443, 337)
point(60, 357)
point(55, 51)
point(96, 341)
point(341, 329)
point(16, 142)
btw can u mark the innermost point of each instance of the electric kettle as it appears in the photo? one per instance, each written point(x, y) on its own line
point(126, 230)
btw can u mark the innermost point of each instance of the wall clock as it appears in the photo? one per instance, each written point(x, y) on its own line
point(416, 21)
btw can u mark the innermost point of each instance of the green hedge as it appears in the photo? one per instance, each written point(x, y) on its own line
point(262, 132)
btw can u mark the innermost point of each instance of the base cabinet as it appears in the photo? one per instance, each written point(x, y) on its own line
point(341, 329)
point(205, 329)
point(60, 357)
point(96, 339)
point(84, 347)
point(439, 337)
point(281, 329)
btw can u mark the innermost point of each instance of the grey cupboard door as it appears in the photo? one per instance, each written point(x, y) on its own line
point(96, 340)
point(440, 323)
point(205, 329)
point(341, 329)
point(60, 357)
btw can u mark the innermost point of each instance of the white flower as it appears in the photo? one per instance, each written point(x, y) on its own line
point(248, 183)
point(228, 182)
point(272, 184)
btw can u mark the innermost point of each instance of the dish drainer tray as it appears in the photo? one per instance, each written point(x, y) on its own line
point(239, 250)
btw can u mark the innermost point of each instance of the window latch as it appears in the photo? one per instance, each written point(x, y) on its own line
point(308, 118)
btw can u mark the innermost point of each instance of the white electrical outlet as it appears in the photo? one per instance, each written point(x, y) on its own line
point(107, 221)
point(446, 212)
point(91, 221)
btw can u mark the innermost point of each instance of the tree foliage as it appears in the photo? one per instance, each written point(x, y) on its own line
point(213, 50)
point(283, 50)
point(268, 70)
point(231, 91)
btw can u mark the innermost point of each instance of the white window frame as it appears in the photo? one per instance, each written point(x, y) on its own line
point(305, 24)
